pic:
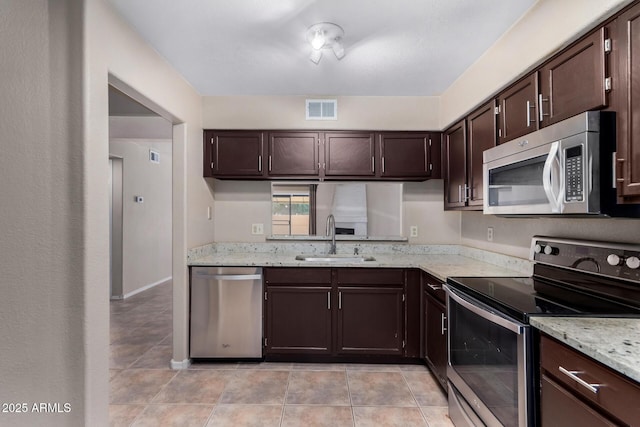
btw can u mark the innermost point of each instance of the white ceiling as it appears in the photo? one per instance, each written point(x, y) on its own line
point(258, 47)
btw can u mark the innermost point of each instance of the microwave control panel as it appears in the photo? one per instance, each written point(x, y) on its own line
point(573, 175)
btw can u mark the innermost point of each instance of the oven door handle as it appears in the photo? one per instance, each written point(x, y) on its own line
point(477, 308)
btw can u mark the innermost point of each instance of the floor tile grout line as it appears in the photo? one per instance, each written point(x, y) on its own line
point(414, 399)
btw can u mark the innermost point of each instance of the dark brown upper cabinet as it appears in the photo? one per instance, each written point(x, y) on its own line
point(233, 154)
point(454, 164)
point(481, 128)
point(575, 80)
point(349, 154)
point(627, 90)
point(409, 155)
point(293, 154)
point(464, 144)
point(517, 109)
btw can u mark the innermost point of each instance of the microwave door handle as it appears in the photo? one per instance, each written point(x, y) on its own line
point(547, 172)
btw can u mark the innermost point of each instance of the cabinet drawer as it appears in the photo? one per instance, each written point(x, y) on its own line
point(433, 286)
point(370, 276)
point(558, 407)
point(297, 276)
point(615, 394)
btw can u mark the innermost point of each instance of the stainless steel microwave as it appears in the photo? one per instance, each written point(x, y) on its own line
point(565, 168)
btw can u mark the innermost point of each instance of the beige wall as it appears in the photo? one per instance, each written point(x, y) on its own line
point(288, 112)
point(43, 312)
point(547, 27)
point(146, 239)
point(513, 235)
point(117, 55)
point(423, 206)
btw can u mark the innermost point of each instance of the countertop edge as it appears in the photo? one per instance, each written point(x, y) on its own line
point(577, 333)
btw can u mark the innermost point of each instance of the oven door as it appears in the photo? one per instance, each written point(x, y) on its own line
point(489, 368)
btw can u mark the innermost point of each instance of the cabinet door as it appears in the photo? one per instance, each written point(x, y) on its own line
point(574, 81)
point(436, 337)
point(294, 154)
point(518, 113)
point(482, 136)
point(558, 407)
point(370, 320)
point(454, 164)
point(627, 48)
point(406, 155)
point(349, 154)
point(298, 320)
point(235, 153)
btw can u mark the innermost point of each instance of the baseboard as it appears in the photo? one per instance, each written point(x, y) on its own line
point(177, 365)
point(144, 288)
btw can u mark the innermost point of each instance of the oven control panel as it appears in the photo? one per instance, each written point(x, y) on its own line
point(605, 258)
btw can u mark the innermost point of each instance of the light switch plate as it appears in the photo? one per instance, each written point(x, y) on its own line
point(413, 231)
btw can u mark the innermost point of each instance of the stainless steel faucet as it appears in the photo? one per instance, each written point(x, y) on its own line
point(331, 228)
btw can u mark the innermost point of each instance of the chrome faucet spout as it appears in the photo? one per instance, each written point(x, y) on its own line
point(331, 231)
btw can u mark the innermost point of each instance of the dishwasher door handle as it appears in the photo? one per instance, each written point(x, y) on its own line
point(235, 277)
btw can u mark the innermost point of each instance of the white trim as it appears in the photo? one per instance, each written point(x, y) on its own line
point(177, 365)
point(144, 288)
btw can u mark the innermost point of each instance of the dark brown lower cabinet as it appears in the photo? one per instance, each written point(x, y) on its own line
point(435, 337)
point(370, 320)
point(342, 313)
point(299, 320)
point(561, 408)
point(579, 391)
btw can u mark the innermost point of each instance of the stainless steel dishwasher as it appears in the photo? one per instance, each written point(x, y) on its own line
point(226, 312)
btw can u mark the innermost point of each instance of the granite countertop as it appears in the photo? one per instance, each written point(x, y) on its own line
point(441, 261)
point(615, 342)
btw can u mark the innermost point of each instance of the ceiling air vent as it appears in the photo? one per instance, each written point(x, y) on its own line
point(322, 109)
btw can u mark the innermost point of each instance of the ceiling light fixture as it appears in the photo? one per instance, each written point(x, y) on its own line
point(325, 35)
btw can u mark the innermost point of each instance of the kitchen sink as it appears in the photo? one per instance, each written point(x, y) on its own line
point(334, 258)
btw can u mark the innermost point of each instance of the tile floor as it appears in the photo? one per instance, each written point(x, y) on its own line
point(144, 391)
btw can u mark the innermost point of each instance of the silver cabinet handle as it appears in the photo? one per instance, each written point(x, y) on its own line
point(528, 113)
point(540, 109)
point(269, 163)
point(383, 165)
point(339, 300)
point(434, 287)
point(259, 163)
point(329, 300)
point(593, 388)
point(443, 319)
point(373, 164)
point(459, 193)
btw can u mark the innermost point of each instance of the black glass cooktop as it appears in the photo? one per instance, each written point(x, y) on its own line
point(522, 297)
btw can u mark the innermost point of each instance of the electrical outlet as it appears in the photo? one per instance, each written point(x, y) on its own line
point(257, 228)
point(490, 234)
point(413, 231)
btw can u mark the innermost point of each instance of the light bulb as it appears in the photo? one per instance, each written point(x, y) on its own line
point(318, 40)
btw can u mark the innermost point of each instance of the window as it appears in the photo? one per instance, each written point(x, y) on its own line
point(290, 209)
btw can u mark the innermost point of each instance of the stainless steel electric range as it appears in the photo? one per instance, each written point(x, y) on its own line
point(493, 359)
